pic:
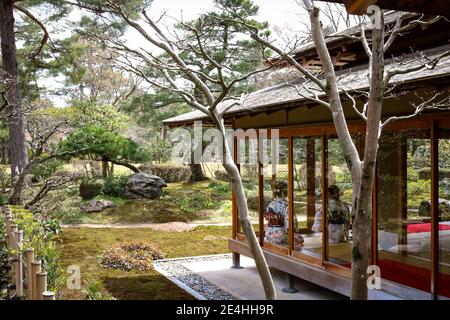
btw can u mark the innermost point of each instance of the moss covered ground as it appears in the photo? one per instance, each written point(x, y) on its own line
point(84, 246)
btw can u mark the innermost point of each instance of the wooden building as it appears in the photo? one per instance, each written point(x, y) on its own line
point(411, 235)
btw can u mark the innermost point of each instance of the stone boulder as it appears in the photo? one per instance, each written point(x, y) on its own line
point(144, 186)
point(425, 208)
point(96, 205)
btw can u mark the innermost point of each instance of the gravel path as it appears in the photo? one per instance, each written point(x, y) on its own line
point(201, 288)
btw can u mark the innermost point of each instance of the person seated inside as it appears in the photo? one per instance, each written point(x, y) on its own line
point(277, 217)
point(338, 218)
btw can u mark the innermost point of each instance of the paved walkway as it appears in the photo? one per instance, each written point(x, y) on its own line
point(243, 283)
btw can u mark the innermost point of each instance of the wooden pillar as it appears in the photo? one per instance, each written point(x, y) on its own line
point(434, 211)
point(310, 182)
point(235, 218)
point(290, 195)
point(41, 284)
point(403, 161)
point(324, 199)
point(35, 269)
point(30, 259)
point(261, 207)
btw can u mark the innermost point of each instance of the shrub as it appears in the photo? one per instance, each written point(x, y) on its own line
point(46, 169)
point(5, 179)
point(94, 290)
point(91, 188)
point(220, 186)
point(169, 172)
point(4, 261)
point(193, 202)
point(115, 186)
point(39, 236)
point(253, 199)
point(425, 173)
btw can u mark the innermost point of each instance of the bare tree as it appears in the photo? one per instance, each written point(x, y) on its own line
point(325, 82)
point(172, 71)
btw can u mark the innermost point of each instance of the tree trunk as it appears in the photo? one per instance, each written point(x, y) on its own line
point(242, 207)
point(104, 168)
point(18, 151)
point(125, 164)
point(362, 231)
point(197, 174)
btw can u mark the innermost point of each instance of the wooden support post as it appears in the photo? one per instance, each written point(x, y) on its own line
point(19, 263)
point(290, 279)
point(48, 295)
point(236, 258)
point(35, 269)
point(41, 284)
point(30, 259)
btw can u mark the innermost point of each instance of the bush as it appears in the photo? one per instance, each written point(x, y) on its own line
point(5, 179)
point(169, 172)
point(39, 236)
point(115, 186)
point(46, 169)
point(220, 186)
point(253, 199)
point(425, 173)
point(94, 290)
point(91, 188)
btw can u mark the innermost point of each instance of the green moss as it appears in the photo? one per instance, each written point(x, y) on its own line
point(83, 246)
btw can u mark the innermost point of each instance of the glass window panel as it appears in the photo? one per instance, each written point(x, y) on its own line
point(247, 158)
point(307, 157)
point(339, 198)
point(404, 211)
point(444, 213)
point(276, 203)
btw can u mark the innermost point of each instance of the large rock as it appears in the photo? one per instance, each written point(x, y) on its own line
point(96, 205)
point(425, 208)
point(144, 186)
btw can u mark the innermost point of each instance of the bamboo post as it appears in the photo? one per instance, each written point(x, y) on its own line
point(19, 263)
point(30, 259)
point(8, 230)
point(35, 268)
point(41, 284)
point(48, 295)
point(13, 244)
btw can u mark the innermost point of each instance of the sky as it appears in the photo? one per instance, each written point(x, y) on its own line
point(283, 14)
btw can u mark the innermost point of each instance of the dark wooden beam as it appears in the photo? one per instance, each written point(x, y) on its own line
point(359, 7)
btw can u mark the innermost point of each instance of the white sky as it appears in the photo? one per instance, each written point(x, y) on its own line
point(281, 13)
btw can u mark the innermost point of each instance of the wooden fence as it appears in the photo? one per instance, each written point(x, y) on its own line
point(26, 271)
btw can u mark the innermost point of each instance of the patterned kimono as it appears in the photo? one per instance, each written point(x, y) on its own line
point(338, 221)
point(277, 228)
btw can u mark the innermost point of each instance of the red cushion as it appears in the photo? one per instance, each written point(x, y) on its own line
point(424, 227)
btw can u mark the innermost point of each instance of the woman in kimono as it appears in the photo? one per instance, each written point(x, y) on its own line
point(277, 217)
